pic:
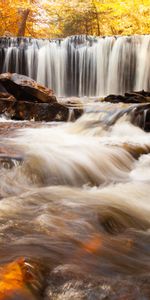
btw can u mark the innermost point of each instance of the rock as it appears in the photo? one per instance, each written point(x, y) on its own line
point(141, 116)
point(25, 88)
point(7, 96)
point(21, 98)
point(9, 162)
point(75, 106)
point(140, 93)
point(5, 105)
point(114, 98)
point(134, 97)
point(64, 283)
point(2, 89)
point(23, 110)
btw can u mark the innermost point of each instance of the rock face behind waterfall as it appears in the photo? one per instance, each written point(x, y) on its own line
point(25, 88)
point(22, 98)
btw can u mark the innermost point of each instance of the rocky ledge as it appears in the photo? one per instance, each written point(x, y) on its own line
point(22, 98)
point(133, 97)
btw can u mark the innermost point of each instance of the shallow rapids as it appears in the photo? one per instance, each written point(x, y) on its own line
point(75, 204)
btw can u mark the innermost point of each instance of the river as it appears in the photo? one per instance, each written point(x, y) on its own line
point(75, 204)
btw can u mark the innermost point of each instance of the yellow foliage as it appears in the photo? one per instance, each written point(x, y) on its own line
point(59, 18)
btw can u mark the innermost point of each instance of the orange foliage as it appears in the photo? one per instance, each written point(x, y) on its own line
point(93, 245)
point(13, 280)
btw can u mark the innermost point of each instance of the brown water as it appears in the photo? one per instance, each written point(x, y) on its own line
point(75, 204)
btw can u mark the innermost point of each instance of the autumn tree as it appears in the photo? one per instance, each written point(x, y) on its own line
point(60, 18)
point(19, 17)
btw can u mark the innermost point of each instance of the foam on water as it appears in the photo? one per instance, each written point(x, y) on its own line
point(77, 204)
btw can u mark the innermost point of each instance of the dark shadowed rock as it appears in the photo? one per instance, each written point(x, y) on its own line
point(8, 162)
point(5, 95)
point(25, 88)
point(5, 105)
point(75, 106)
point(114, 98)
point(22, 110)
point(2, 89)
point(140, 93)
point(74, 285)
point(134, 97)
point(22, 98)
point(140, 116)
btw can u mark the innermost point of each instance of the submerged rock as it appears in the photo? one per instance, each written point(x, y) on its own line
point(25, 88)
point(8, 162)
point(68, 284)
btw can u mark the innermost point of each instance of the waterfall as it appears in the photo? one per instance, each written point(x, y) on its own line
point(81, 65)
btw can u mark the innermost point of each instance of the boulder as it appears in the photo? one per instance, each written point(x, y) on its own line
point(75, 106)
point(25, 88)
point(140, 116)
point(134, 97)
point(2, 89)
point(7, 96)
point(23, 110)
point(5, 105)
point(22, 98)
point(114, 98)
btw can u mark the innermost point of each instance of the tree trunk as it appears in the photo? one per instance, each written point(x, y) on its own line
point(97, 18)
point(22, 24)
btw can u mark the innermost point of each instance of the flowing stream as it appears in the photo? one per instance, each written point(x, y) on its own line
point(75, 204)
point(81, 65)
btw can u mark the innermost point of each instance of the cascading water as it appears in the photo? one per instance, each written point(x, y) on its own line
point(81, 65)
point(78, 209)
point(74, 196)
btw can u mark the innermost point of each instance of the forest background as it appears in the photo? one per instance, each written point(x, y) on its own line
point(61, 18)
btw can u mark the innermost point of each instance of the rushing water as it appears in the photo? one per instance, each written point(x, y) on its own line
point(75, 200)
point(81, 65)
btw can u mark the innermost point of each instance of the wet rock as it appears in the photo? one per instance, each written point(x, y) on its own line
point(2, 89)
point(7, 96)
point(23, 110)
point(7, 162)
point(21, 98)
point(140, 117)
point(67, 285)
point(114, 98)
point(5, 105)
point(77, 113)
point(75, 107)
point(134, 97)
point(140, 93)
point(25, 88)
